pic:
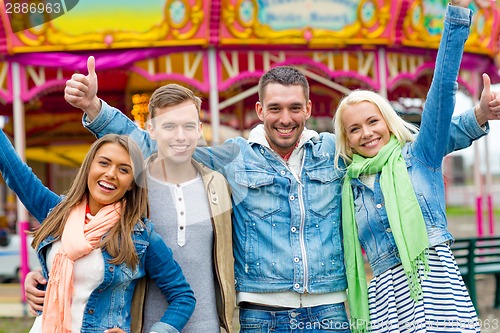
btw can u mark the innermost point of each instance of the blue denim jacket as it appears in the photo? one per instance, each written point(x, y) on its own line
point(108, 305)
point(287, 229)
point(423, 157)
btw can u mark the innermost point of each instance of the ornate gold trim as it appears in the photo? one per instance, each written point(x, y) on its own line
point(255, 30)
point(49, 37)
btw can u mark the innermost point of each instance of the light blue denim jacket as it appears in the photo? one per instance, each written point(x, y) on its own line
point(423, 157)
point(109, 304)
point(286, 229)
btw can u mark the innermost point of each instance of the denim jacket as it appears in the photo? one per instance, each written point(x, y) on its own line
point(286, 229)
point(108, 305)
point(423, 157)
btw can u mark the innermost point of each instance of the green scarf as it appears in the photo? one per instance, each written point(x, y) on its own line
point(405, 219)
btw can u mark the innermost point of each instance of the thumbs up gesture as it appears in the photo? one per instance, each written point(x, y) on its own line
point(489, 103)
point(81, 91)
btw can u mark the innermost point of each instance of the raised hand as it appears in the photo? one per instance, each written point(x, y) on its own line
point(81, 91)
point(489, 103)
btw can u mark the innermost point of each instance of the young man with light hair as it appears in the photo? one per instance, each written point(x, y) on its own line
point(191, 207)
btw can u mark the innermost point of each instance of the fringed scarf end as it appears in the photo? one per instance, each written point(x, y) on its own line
point(421, 262)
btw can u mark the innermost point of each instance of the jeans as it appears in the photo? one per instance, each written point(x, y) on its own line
point(322, 318)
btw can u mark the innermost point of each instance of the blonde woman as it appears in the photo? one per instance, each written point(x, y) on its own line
point(393, 203)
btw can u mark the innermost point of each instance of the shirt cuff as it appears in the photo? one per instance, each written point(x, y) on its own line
point(160, 327)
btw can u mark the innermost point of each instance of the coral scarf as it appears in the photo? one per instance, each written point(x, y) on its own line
point(78, 239)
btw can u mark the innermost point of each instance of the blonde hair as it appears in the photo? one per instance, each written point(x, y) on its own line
point(402, 130)
point(118, 242)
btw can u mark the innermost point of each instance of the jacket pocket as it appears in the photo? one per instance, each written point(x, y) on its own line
point(323, 190)
point(140, 248)
point(258, 192)
point(426, 210)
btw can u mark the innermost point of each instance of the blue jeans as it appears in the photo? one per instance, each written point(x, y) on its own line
point(322, 318)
